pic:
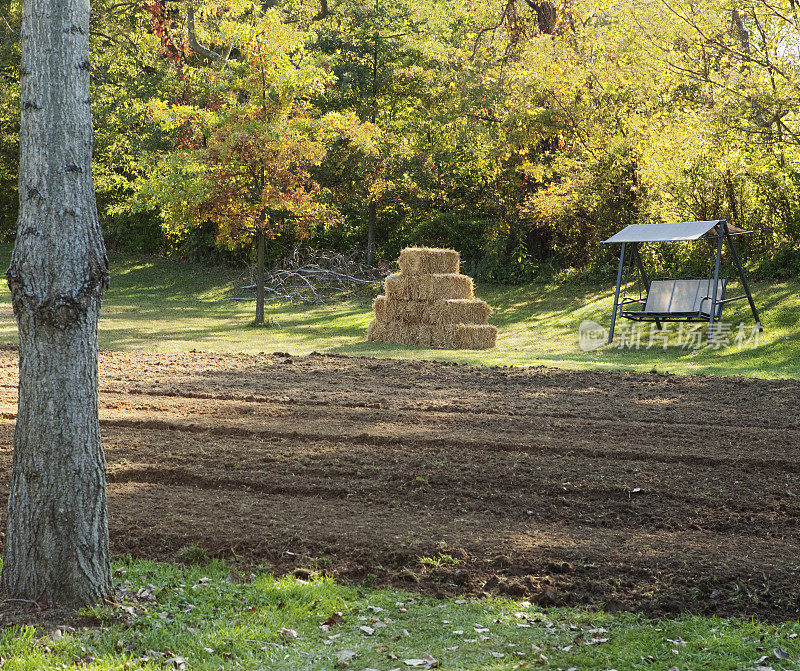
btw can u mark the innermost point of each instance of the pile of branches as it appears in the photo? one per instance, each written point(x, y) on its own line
point(317, 277)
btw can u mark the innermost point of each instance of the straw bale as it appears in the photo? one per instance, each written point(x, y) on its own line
point(430, 287)
point(401, 287)
point(396, 332)
point(424, 260)
point(441, 286)
point(460, 311)
point(379, 308)
point(452, 311)
point(376, 331)
point(474, 336)
point(448, 336)
point(464, 336)
point(408, 312)
point(437, 309)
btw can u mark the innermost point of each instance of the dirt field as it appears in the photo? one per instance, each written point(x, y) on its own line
point(647, 492)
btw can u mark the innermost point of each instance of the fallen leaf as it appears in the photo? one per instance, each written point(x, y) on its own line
point(367, 630)
point(344, 657)
point(426, 662)
point(780, 653)
point(287, 634)
point(336, 618)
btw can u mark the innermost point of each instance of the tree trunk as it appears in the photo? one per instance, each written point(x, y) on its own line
point(259, 277)
point(56, 547)
point(371, 214)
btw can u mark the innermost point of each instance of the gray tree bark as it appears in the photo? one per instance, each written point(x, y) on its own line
point(372, 213)
point(56, 547)
point(259, 320)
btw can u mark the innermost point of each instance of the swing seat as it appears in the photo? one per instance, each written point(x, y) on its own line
point(679, 300)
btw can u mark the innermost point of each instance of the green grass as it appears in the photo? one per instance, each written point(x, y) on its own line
point(204, 617)
point(219, 623)
point(161, 305)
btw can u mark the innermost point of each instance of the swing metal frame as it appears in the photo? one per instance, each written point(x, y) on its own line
point(705, 305)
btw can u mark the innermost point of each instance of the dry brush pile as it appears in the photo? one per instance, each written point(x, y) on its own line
point(430, 303)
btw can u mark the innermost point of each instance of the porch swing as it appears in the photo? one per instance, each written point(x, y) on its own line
point(668, 300)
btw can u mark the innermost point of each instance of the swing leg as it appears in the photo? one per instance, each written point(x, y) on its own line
point(713, 310)
point(616, 294)
point(735, 256)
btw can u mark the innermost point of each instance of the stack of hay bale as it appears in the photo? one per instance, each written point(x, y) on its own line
point(429, 303)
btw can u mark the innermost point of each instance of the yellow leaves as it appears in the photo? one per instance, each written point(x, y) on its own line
point(531, 171)
point(346, 126)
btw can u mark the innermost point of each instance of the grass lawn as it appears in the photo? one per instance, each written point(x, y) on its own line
point(209, 617)
point(162, 305)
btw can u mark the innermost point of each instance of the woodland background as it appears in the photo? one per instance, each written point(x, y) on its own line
point(518, 132)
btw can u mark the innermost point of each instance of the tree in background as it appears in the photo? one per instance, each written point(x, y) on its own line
point(10, 19)
point(56, 545)
point(249, 142)
point(521, 131)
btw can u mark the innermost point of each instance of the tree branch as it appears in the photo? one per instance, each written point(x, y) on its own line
point(323, 12)
point(193, 43)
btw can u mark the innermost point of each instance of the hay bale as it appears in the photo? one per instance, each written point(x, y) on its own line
point(401, 287)
point(407, 312)
point(430, 287)
point(446, 336)
point(376, 331)
point(396, 332)
point(451, 311)
point(474, 336)
point(460, 311)
point(442, 286)
point(379, 308)
point(429, 303)
point(424, 260)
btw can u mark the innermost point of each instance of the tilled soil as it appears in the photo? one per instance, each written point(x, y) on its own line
point(655, 493)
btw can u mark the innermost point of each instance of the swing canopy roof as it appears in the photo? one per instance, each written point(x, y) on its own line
point(684, 230)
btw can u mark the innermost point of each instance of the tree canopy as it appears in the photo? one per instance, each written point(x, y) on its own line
point(520, 132)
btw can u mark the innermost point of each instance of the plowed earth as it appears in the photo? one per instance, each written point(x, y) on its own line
point(649, 492)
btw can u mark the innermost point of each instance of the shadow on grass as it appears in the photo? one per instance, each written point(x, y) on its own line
point(168, 305)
